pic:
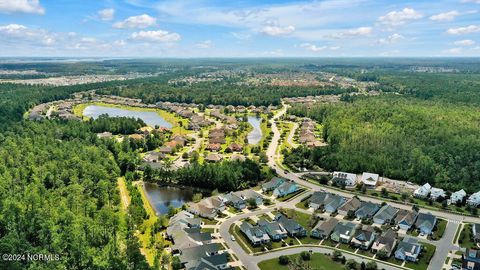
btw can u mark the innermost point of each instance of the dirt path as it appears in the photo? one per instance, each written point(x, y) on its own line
point(124, 196)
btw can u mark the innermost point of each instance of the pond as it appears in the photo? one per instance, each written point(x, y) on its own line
point(151, 118)
point(255, 135)
point(161, 197)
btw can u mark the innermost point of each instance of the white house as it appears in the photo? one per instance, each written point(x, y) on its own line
point(436, 193)
point(423, 191)
point(457, 196)
point(474, 199)
point(344, 179)
point(370, 179)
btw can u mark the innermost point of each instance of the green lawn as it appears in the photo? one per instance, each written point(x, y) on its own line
point(439, 229)
point(207, 221)
point(301, 218)
point(318, 261)
point(347, 247)
point(242, 240)
point(309, 240)
point(425, 257)
point(289, 196)
point(207, 230)
point(465, 239)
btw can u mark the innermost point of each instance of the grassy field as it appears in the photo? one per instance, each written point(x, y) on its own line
point(289, 196)
point(425, 257)
point(440, 229)
point(318, 261)
point(465, 239)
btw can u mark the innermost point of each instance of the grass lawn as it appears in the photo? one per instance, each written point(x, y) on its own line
point(365, 253)
point(393, 260)
point(300, 217)
point(347, 247)
point(425, 257)
point(317, 261)
point(465, 239)
point(329, 242)
point(242, 240)
point(207, 221)
point(439, 229)
point(207, 230)
point(309, 240)
point(233, 210)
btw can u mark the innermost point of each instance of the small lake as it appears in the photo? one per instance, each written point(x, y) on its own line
point(149, 117)
point(255, 135)
point(161, 197)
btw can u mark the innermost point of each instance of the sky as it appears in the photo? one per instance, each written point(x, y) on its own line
point(241, 28)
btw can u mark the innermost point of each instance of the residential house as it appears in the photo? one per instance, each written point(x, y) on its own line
point(255, 234)
point(327, 201)
point(291, 226)
point(285, 189)
point(474, 199)
point(272, 184)
point(385, 215)
point(235, 147)
point(350, 206)
point(423, 191)
point(235, 200)
point(165, 150)
point(364, 238)
point(214, 158)
point(408, 249)
point(367, 210)
point(343, 232)
point(344, 179)
point(476, 232)
point(425, 223)
point(436, 193)
point(203, 256)
point(135, 136)
point(370, 180)
point(214, 147)
point(208, 207)
point(405, 219)
point(471, 259)
point(105, 135)
point(153, 156)
point(385, 242)
point(274, 229)
point(249, 194)
point(323, 229)
point(457, 197)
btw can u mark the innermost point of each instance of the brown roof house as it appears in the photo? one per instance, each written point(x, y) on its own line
point(351, 205)
point(214, 158)
point(235, 147)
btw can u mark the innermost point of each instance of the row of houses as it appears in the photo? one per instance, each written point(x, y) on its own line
point(194, 248)
point(306, 134)
point(380, 215)
point(366, 238)
point(370, 180)
point(435, 193)
point(265, 231)
point(280, 187)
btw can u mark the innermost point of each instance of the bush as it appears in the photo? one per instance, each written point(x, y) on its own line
point(283, 260)
point(305, 255)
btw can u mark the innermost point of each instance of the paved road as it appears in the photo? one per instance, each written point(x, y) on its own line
point(443, 246)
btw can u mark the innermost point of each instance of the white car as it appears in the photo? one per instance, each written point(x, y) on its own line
point(232, 237)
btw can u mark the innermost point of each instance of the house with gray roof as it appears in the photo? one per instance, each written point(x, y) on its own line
point(249, 194)
point(291, 226)
point(408, 249)
point(344, 232)
point(425, 223)
point(327, 201)
point(285, 189)
point(323, 229)
point(190, 258)
point(364, 238)
point(274, 229)
point(367, 210)
point(272, 184)
point(385, 242)
point(385, 215)
point(405, 219)
point(350, 206)
point(234, 200)
point(255, 234)
point(476, 232)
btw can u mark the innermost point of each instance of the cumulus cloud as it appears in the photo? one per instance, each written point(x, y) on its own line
point(464, 30)
point(274, 29)
point(141, 21)
point(21, 32)
point(465, 42)
point(391, 39)
point(396, 18)
point(314, 48)
point(445, 16)
point(22, 6)
point(454, 51)
point(155, 36)
point(354, 32)
point(106, 14)
point(207, 44)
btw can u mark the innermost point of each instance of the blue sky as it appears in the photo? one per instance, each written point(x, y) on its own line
point(242, 28)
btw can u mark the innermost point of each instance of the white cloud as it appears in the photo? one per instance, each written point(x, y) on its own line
point(465, 42)
point(454, 51)
point(445, 16)
point(314, 48)
point(396, 18)
point(119, 43)
point(391, 39)
point(155, 36)
point(272, 28)
point(141, 21)
point(355, 32)
point(206, 44)
point(106, 14)
point(21, 32)
point(471, 1)
point(241, 35)
point(464, 30)
point(22, 6)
